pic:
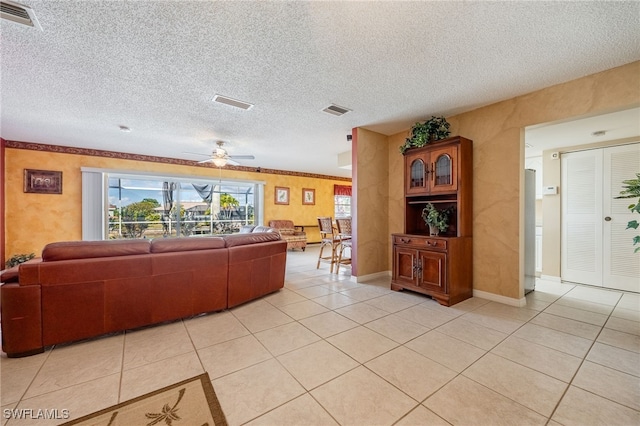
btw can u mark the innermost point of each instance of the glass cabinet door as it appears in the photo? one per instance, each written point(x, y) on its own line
point(443, 170)
point(417, 174)
point(443, 174)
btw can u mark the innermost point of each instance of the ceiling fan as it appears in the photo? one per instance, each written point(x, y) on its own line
point(221, 158)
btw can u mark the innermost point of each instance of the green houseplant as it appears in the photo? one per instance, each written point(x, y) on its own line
point(18, 259)
point(421, 134)
point(437, 220)
point(632, 190)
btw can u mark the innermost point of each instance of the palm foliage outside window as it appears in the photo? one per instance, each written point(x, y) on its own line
point(161, 207)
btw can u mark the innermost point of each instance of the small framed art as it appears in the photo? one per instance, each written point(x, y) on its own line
point(282, 195)
point(308, 196)
point(42, 181)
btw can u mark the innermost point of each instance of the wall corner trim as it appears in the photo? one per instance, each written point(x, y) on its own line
point(369, 277)
point(500, 299)
point(551, 278)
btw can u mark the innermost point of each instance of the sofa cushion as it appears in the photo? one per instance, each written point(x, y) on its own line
point(234, 240)
point(286, 231)
point(261, 228)
point(166, 245)
point(91, 249)
point(245, 229)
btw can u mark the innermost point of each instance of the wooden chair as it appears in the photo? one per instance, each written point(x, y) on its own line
point(344, 238)
point(329, 239)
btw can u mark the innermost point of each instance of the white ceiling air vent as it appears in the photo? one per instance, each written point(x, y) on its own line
point(336, 110)
point(18, 13)
point(232, 102)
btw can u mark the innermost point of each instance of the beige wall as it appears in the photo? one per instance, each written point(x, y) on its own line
point(498, 167)
point(33, 220)
point(372, 202)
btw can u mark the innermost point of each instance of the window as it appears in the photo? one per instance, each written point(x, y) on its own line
point(342, 200)
point(137, 206)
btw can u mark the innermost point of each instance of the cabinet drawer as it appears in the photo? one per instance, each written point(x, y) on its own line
point(436, 244)
point(422, 242)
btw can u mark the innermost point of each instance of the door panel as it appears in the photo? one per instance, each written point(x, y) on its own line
point(582, 217)
point(443, 176)
point(404, 264)
point(597, 249)
point(621, 266)
point(433, 270)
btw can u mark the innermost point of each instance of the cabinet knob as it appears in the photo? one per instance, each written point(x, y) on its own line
point(607, 218)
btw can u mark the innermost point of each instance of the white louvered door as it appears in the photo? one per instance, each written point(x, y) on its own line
point(621, 266)
point(582, 217)
point(596, 247)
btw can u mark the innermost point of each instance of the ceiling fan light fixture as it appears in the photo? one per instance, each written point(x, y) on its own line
point(220, 161)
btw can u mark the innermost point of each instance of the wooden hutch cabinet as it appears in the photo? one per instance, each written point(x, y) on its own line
point(439, 266)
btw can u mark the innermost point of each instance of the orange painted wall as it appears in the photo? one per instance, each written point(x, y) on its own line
point(34, 220)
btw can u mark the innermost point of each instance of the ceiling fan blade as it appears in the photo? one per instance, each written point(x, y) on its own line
point(196, 153)
point(243, 157)
point(210, 160)
point(233, 163)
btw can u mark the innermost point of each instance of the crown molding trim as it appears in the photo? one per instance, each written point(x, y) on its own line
point(153, 159)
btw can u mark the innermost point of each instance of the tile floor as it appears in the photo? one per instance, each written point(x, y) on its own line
point(325, 350)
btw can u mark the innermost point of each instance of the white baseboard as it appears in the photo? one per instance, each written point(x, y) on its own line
point(551, 278)
point(500, 299)
point(382, 274)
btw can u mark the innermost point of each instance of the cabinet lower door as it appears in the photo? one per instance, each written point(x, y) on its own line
point(434, 269)
point(404, 265)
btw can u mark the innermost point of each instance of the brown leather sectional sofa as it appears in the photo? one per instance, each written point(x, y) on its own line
point(83, 289)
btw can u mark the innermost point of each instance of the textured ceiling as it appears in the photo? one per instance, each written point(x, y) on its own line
point(155, 66)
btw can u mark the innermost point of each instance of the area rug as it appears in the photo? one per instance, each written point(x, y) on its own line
point(191, 402)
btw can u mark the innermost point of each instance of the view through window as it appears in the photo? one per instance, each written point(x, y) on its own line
point(150, 208)
point(342, 205)
point(342, 200)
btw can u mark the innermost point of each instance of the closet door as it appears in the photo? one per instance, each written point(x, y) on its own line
point(621, 266)
point(597, 249)
point(582, 217)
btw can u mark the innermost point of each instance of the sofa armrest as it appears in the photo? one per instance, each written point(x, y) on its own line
point(21, 320)
point(12, 275)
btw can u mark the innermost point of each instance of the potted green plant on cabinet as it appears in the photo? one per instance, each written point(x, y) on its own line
point(437, 220)
point(421, 134)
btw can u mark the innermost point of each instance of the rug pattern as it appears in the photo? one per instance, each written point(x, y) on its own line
point(192, 402)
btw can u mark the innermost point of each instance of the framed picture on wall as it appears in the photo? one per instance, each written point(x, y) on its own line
point(42, 181)
point(308, 196)
point(282, 195)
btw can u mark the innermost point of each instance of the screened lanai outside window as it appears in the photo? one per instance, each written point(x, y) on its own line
point(152, 208)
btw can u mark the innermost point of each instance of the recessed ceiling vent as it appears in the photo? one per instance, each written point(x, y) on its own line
point(336, 110)
point(18, 13)
point(232, 102)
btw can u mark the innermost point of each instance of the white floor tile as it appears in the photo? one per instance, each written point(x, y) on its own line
point(328, 350)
